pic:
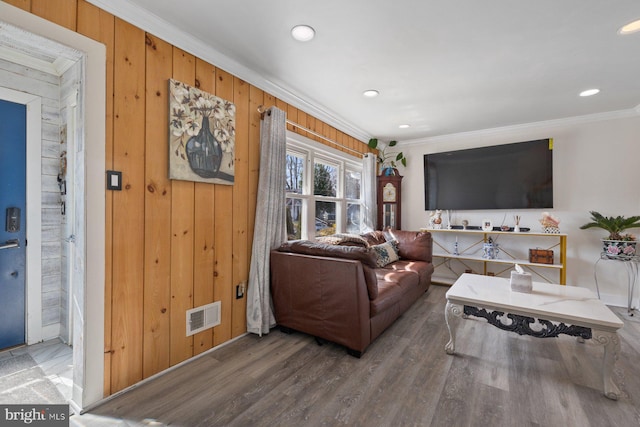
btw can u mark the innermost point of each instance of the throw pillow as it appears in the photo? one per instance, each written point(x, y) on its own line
point(374, 238)
point(386, 253)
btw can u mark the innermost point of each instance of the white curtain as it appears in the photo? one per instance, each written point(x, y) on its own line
point(369, 167)
point(270, 227)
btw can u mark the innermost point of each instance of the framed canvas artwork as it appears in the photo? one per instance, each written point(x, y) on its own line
point(201, 135)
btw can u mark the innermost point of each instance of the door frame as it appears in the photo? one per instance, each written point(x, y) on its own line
point(33, 267)
point(88, 350)
point(74, 123)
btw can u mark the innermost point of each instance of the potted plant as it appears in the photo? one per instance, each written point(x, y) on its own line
point(617, 244)
point(388, 159)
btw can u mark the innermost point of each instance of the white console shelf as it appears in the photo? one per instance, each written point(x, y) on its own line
point(474, 239)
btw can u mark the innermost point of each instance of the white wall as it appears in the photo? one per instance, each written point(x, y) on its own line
point(595, 166)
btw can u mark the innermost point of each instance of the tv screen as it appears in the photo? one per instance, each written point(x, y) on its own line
point(510, 176)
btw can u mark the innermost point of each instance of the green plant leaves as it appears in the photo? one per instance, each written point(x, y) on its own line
point(386, 158)
point(614, 225)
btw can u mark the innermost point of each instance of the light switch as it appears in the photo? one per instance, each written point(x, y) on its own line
point(114, 180)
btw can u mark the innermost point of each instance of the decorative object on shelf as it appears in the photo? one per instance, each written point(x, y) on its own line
point(389, 197)
point(487, 225)
point(201, 135)
point(490, 249)
point(516, 229)
point(388, 159)
point(455, 247)
point(541, 256)
point(617, 245)
point(435, 220)
point(549, 223)
point(448, 220)
point(465, 223)
point(471, 246)
point(521, 281)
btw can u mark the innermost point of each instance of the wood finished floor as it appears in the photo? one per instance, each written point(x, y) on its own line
point(405, 378)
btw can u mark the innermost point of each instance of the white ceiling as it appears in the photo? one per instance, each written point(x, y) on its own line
point(443, 66)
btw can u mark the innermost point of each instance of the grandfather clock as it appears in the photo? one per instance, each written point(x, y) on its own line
point(389, 197)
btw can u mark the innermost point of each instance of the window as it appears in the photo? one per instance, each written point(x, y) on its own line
point(322, 190)
point(294, 187)
point(353, 180)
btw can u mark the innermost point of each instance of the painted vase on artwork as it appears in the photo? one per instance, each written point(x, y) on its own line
point(204, 152)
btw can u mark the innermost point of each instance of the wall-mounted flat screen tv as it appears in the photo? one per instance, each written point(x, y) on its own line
point(510, 176)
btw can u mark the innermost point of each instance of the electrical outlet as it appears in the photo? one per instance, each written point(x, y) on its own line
point(240, 290)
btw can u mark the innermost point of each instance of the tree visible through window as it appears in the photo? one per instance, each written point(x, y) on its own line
point(324, 180)
point(295, 177)
point(295, 169)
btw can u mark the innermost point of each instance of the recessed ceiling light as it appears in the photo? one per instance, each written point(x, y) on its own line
point(589, 92)
point(404, 126)
point(631, 27)
point(371, 93)
point(303, 33)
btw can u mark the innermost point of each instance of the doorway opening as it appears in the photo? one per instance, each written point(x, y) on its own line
point(49, 86)
point(60, 76)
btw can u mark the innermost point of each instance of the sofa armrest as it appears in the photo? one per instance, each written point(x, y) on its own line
point(321, 296)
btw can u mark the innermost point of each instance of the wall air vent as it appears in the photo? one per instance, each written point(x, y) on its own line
point(203, 317)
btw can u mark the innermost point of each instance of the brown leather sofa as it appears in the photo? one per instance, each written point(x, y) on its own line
point(341, 294)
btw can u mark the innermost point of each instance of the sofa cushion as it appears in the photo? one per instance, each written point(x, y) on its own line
point(389, 295)
point(392, 288)
point(415, 245)
point(307, 247)
point(423, 269)
point(386, 253)
point(399, 277)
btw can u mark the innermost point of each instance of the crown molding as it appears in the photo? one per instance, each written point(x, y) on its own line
point(155, 25)
point(569, 121)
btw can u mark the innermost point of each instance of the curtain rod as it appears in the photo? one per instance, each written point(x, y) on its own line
point(262, 110)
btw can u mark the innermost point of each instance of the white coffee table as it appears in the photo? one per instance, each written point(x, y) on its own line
point(558, 309)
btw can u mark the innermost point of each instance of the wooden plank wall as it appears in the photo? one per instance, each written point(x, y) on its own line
point(170, 245)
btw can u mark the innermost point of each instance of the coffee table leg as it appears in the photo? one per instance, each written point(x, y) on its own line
point(452, 314)
point(611, 351)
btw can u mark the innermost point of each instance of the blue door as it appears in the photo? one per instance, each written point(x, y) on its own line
point(13, 161)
